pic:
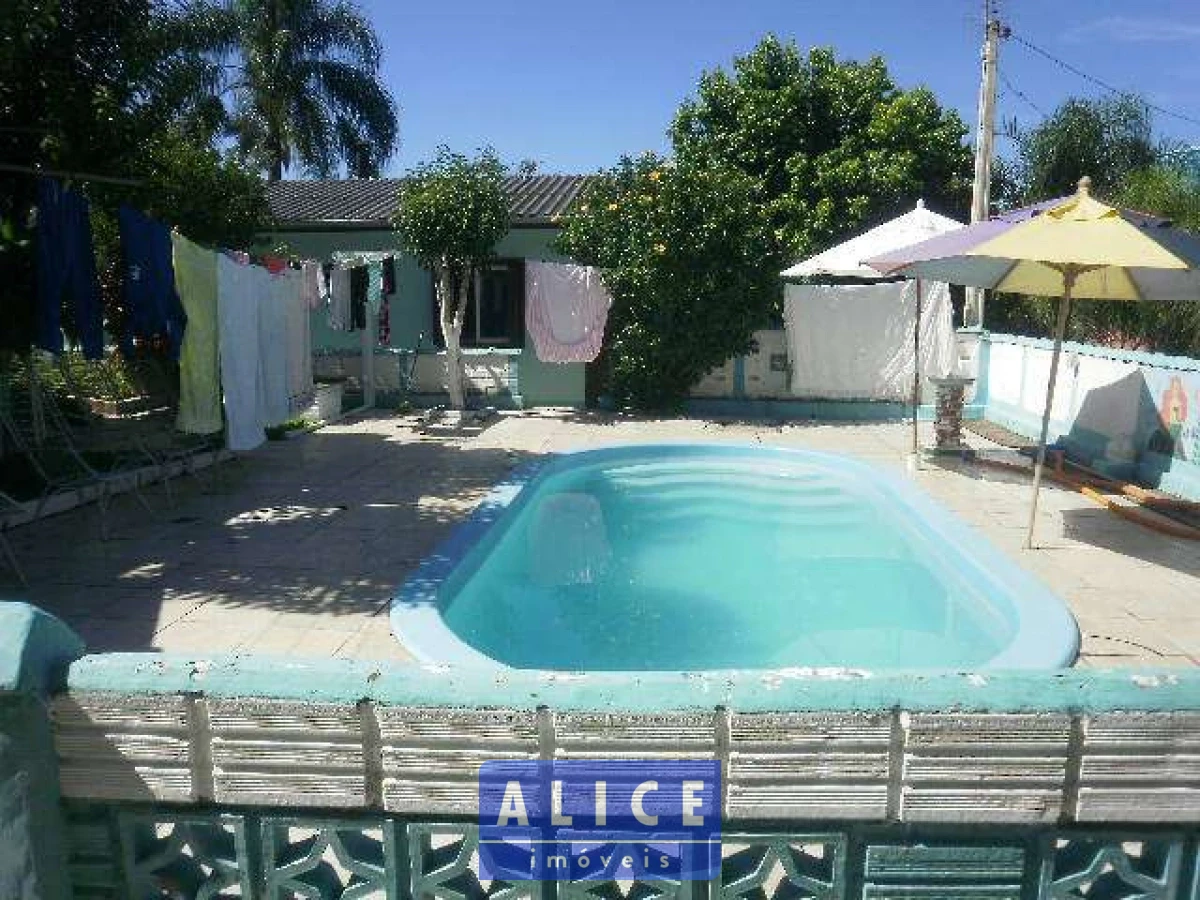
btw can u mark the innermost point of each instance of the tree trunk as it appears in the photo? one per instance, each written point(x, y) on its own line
point(452, 308)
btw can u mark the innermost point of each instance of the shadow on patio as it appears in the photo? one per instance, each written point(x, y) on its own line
point(311, 535)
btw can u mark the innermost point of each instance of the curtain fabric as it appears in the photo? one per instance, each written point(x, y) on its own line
point(855, 341)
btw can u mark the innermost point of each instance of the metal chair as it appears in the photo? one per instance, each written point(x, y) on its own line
point(10, 509)
point(34, 428)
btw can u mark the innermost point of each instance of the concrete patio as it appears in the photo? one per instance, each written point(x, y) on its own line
point(296, 548)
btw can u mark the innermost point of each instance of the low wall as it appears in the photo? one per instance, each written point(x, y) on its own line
point(258, 777)
point(491, 376)
point(1127, 414)
point(758, 385)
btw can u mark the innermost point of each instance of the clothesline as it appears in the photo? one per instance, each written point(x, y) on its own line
point(240, 332)
point(352, 258)
point(70, 176)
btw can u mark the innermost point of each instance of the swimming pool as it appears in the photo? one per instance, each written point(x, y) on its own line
point(687, 557)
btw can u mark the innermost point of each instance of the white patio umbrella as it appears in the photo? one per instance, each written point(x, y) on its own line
point(1072, 248)
point(846, 260)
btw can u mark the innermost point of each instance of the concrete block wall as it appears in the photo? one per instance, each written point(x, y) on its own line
point(128, 775)
point(35, 649)
point(1128, 414)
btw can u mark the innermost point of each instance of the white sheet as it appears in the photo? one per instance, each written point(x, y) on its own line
point(273, 345)
point(855, 342)
point(298, 350)
point(566, 309)
point(238, 292)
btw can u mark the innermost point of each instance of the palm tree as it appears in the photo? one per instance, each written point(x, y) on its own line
point(299, 80)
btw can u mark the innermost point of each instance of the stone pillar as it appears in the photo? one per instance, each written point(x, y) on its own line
point(35, 650)
point(948, 414)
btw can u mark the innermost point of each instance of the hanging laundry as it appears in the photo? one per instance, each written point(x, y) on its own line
point(199, 370)
point(312, 284)
point(66, 271)
point(855, 341)
point(339, 298)
point(566, 308)
point(274, 264)
point(151, 301)
point(374, 287)
point(273, 345)
point(310, 298)
point(359, 281)
point(389, 275)
point(299, 352)
point(384, 329)
point(238, 293)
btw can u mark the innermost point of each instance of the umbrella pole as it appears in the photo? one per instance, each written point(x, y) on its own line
point(916, 397)
point(1064, 310)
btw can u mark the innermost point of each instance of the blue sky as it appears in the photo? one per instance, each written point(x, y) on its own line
point(573, 85)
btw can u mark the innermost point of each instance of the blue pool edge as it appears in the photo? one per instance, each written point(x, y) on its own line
point(1047, 634)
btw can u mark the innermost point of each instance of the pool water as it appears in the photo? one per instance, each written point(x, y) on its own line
point(693, 558)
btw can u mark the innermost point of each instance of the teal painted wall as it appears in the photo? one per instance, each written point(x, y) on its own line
point(1128, 414)
point(35, 649)
point(541, 384)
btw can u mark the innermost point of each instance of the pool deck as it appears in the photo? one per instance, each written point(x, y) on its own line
point(296, 548)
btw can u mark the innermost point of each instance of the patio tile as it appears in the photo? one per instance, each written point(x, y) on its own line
point(296, 548)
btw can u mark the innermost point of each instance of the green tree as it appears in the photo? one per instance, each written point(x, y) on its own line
point(102, 87)
point(1163, 327)
point(681, 248)
point(1112, 141)
point(303, 78)
point(452, 212)
point(1105, 138)
point(210, 197)
point(831, 145)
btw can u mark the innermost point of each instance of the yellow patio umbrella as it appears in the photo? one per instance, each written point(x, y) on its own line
point(1072, 248)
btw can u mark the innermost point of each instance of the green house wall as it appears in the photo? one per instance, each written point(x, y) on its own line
point(541, 384)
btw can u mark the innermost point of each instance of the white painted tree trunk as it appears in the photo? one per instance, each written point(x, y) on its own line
point(452, 310)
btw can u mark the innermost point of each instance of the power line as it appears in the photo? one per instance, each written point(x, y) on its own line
point(1096, 81)
point(1017, 92)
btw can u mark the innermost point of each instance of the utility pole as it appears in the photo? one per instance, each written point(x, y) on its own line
point(985, 136)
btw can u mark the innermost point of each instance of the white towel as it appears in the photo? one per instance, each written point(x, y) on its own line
point(279, 292)
point(237, 312)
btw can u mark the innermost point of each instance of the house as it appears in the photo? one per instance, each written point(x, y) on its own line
point(317, 218)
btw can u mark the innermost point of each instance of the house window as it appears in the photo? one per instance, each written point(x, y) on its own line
point(491, 305)
point(495, 307)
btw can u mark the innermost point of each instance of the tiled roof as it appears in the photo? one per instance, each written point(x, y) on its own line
point(370, 202)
